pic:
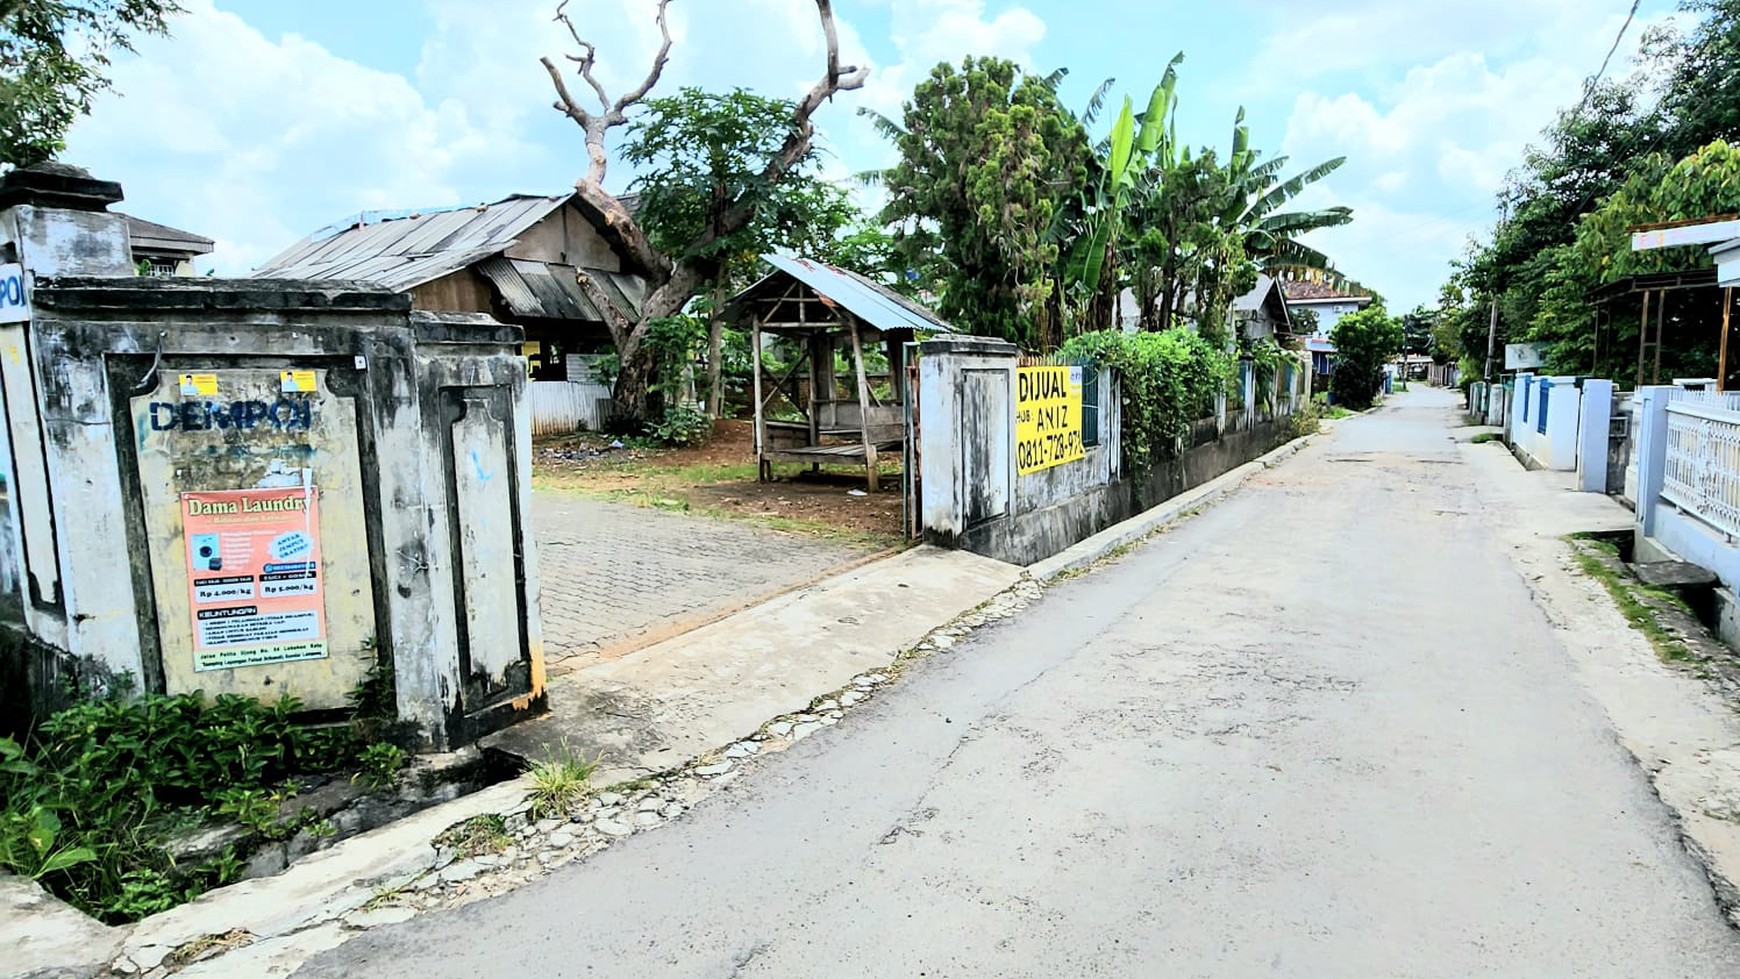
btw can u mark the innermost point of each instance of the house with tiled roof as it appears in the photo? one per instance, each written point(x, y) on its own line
point(1329, 302)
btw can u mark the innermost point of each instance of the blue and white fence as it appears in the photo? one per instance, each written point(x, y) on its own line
point(1688, 477)
point(1562, 423)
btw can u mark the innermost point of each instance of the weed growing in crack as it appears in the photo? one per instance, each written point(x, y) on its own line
point(479, 834)
point(559, 783)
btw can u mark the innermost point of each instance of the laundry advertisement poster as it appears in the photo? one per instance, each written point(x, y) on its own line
point(253, 561)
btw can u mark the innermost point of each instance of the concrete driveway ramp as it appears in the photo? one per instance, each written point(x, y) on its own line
point(657, 707)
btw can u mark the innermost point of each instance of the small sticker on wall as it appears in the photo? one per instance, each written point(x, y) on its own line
point(198, 385)
point(296, 382)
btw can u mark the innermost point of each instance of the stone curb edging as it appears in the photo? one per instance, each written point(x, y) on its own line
point(231, 934)
point(1142, 524)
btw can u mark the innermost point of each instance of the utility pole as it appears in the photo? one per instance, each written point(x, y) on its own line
point(1491, 339)
point(1492, 325)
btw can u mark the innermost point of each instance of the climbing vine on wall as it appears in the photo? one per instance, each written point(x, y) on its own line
point(1169, 379)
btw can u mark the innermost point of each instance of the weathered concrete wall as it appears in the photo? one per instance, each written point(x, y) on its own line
point(1029, 536)
point(966, 387)
point(972, 497)
point(413, 439)
point(1102, 466)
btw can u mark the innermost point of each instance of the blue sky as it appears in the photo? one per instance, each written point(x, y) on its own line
point(260, 120)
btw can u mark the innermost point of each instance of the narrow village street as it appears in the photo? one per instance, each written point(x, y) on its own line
point(1320, 729)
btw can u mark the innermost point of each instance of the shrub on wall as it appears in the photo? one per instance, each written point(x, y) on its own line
point(1169, 379)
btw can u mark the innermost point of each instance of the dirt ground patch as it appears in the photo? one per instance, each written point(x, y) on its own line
point(718, 480)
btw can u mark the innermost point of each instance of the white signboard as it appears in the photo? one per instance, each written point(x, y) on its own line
point(1523, 356)
point(1709, 233)
point(13, 306)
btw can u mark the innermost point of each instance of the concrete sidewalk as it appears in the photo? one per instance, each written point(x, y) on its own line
point(658, 707)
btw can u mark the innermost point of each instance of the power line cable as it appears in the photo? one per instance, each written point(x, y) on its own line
point(1594, 80)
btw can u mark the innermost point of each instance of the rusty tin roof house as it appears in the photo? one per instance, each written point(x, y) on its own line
point(517, 259)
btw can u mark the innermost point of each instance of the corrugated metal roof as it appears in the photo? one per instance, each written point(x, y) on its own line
point(875, 304)
point(402, 253)
point(547, 290)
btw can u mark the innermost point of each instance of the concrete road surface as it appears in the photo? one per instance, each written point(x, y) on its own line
point(1318, 731)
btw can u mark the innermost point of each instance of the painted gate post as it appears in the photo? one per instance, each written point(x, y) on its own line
point(1651, 437)
point(1594, 424)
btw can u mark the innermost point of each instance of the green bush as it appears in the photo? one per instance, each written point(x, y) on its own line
point(87, 806)
point(1364, 342)
point(682, 426)
point(1307, 420)
point(1169, 379)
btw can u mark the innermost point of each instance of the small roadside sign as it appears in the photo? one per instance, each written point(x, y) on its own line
point(14, 308)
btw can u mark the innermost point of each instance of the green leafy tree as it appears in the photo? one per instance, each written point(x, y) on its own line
point(1364, 342)
point(1256, 195)
point(1200, 228)
point(872, 251)
point(703, 154)
point(54, 62)
point(1417, 332)
point(1706, 182)
point(1619, 131)
point(989, 160)
point(1125, 175)
point(1703, 71)
point(673, 278)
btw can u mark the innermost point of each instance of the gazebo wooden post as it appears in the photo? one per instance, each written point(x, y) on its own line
point(761, 473)
point(872, 474)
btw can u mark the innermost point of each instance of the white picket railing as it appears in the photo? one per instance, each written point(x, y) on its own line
point(1729, 400)
point(1703, 461)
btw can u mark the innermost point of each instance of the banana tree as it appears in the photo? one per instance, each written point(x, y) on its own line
point(1138, 148)
point(1256, 196)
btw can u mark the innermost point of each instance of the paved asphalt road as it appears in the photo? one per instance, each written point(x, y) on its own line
point(1318, 731)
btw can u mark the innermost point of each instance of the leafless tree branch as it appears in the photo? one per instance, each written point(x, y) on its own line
point(797, 144)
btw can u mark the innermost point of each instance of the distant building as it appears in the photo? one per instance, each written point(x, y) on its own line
point(1263, 312)
point(518, 259)
point(1329, 303)
point(162, 250)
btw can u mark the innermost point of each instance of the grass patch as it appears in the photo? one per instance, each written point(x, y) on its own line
point(91, 803)
point(633, 785)
point(1336, 413)
point(1485, 437)
point(1626, 595)
point(479, 834)
point(559, 783)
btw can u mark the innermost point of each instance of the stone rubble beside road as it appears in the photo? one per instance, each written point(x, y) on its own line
point(453, 879)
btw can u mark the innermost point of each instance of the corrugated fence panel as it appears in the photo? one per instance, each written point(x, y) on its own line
point(560, 407)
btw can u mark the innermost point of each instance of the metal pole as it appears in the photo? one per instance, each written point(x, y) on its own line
point(1491, 339)
point(1722, 361)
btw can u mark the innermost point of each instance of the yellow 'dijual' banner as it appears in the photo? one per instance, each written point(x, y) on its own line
point(1047, 418)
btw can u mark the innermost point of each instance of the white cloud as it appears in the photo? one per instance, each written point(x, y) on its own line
point(1430, 143)
point(256, 142)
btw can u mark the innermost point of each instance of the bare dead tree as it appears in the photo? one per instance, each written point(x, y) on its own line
point(670, 283)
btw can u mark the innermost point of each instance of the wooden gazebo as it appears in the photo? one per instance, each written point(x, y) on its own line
point(820, 309)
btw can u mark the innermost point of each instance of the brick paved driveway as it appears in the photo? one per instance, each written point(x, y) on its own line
point(614, 572)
